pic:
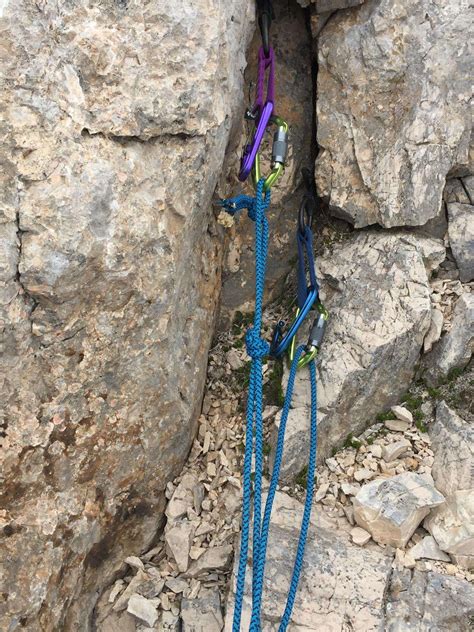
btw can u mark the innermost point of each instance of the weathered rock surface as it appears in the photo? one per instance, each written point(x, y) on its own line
point(202, 614)
point(375, 287)
point(341, 584)
point(393, 109)
point(452, 525)
point(428, 549)
point(294, 102)
point(116, 122)
point(428, 602)
point(454, 349)
point(391, 509)
point(461, 238)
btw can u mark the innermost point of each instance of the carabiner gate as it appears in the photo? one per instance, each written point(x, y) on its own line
point(279, 152)
point(315, 338)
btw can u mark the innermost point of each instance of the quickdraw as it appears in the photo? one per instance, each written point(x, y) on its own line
point(258, 348)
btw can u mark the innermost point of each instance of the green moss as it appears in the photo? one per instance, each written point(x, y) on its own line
point(272, 389)
point(411, 402)
point(351, 442)
point(301, 477)
point(266, 448)
point(433, 392)
point(385, 416)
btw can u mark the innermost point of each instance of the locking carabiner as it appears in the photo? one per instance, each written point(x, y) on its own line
point(279, 152)
point(315, 338)
point(261, 111)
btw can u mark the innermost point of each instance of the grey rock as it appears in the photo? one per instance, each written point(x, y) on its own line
point(428, 602)
point(215, 558)
point(428, 549)
point(461, 238)
point(394, 450)
point(117, 119)
point(452, 440)
point(434, 332)
point(454, 349)
point(385, 147)
point(341, 587)
point(391, 509)
point(325, 6)
point(182, 498)
point(202, 614)
point(179, 538)
point(142, 609)
point(376, 289)
point(402, 413)
point(452, 525)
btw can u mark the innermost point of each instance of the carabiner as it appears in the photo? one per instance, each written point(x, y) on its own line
point(279, 345)
point(261, 112)
point(307, 208)
point(279, 152)
point(315, 338)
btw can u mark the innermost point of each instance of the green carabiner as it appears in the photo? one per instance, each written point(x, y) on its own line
point(279, 151)
point(315, 337)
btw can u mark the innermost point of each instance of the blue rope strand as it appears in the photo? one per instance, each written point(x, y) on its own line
point(257, 348)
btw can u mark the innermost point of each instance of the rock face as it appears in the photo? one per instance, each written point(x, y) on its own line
point(461, 238)
point(375, 287)
point(392, 109)
point(428, 602)
point(390, 510)
point(341, 586)
point(116, 126)
point(294, 102)
point(452, 525)
point(454, 349)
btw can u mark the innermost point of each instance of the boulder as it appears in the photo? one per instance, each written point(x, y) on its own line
point(461, 238)
point(454, 349)
point(391, 509)
point(116, 118)
point(393, 109)
point(452, 525)
point(375, 286)
point(341, 587)
point(428, 602)
point(202, 614)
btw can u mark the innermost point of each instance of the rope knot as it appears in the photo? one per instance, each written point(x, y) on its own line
point(257, 347)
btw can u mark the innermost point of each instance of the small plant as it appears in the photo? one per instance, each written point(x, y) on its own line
point(301, 477)
point(242, 375)
point(384, 416)
point(411, 402)
point(266, 448)
point(272, 389)
point(419, 421)
point(433, 392)
point(352, 442)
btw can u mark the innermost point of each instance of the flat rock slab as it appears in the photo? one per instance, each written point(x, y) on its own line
point(391, 509)
point(341, 583)
point(429, 602)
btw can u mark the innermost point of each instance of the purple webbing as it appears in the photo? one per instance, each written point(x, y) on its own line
point(264, 63)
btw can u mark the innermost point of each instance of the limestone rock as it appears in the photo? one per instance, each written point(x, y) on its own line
point(341, 585)
point(215, 558)
point(392, 109)
point(202, 613)
point(142, 609)
point(461, 238)
point(116, 118)
point(428, 602)
point(182, 498)
point(360, 536)
point(434, 332)
point(454, 349)
point(391, 509)
point(394, 450)
point(376, 290)
point(452, 440)
point(179, 539)
point(402, 413)
point(428, 549)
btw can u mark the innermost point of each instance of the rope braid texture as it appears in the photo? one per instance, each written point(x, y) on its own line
point(257, 349)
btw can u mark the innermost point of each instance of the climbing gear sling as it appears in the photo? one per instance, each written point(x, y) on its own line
point(258, 348)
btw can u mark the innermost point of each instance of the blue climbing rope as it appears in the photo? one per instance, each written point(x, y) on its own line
point(258, 348)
